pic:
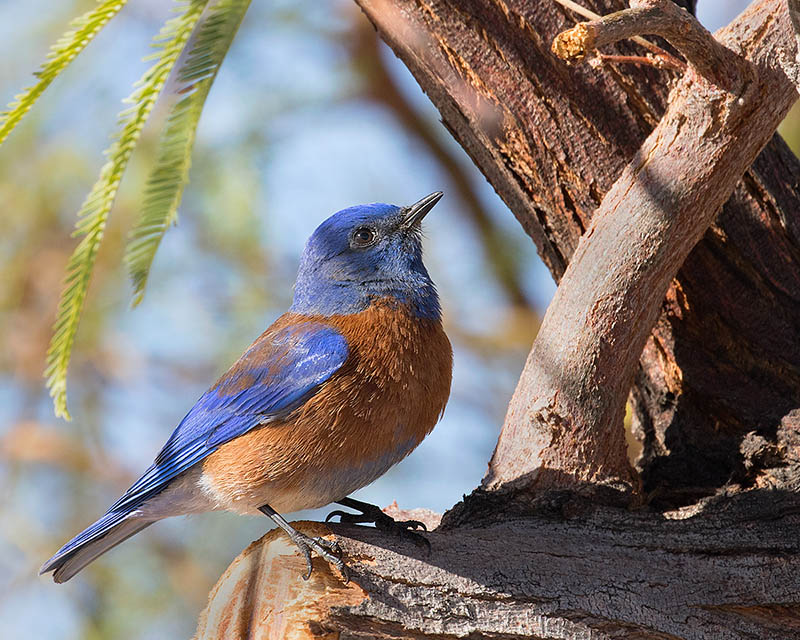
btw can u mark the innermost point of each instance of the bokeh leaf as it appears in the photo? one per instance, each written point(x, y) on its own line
point(93, 215)
point(82, 30)
point(171, 172)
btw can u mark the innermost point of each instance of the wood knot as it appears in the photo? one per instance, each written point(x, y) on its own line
point(572, 45)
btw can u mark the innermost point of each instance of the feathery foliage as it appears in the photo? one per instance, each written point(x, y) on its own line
point(94, 212)
point(82, 30)
point(171, 173)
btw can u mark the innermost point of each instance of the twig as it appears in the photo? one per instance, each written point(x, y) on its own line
point(653, 61)
point(580, 10)
point(669, 61)
point(706, 55)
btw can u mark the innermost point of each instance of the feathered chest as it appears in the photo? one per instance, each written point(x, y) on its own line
point(396, 381)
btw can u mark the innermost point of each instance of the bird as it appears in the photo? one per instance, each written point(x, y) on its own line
point(336, 391)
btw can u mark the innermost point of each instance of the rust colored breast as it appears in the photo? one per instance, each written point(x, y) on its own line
point(373, 412)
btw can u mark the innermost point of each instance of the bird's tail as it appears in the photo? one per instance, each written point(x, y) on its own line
point(92, 542)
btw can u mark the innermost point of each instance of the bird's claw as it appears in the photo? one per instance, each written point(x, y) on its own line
point(411, 534)
point(328, 550)
point(342, 516)
point(371, 514)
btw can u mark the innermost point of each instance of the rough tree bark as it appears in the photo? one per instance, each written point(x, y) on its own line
point(616, 172)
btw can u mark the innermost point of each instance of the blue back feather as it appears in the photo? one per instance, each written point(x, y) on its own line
point(274, 377)
point(279, 372)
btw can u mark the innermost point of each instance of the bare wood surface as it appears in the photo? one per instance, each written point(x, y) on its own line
point(793, 70)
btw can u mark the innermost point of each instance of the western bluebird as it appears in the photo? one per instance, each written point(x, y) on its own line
point(340, 388)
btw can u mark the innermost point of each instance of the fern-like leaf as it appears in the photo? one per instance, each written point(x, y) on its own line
point(171, 173)
point(64, 51)
point(94, 212)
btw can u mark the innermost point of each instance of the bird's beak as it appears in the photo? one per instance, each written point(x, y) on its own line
point(417, 211)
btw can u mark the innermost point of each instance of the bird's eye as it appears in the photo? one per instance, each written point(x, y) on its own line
point(364, 237)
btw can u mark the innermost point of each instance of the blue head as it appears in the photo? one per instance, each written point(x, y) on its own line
point(366, 252)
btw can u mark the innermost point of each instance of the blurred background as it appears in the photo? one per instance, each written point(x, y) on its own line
point(309, 114)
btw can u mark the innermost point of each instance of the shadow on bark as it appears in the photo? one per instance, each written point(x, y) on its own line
point(726, 570)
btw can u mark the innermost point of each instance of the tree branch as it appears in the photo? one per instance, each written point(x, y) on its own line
point(564, 424)
point(659, 62)
point(604, 574)
point(663, 18)
point(665, 59)
point(382, 88)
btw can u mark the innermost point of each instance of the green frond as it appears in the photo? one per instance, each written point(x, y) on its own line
point(94, 213)
point(81, 32)
point(171, 172)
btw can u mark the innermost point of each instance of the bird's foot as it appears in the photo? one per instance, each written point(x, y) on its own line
point(371, 514)
point(330, 551)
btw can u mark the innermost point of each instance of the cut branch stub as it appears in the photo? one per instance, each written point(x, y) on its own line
point(564, 423)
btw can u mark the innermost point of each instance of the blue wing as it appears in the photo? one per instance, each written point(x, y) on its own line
point(281, 370)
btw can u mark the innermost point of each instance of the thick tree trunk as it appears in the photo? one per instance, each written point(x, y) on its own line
point(615, 187)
